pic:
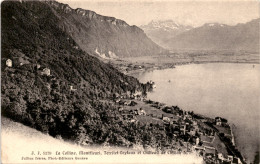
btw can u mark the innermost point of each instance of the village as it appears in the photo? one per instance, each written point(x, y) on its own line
point(43, 71)
point(210, 138)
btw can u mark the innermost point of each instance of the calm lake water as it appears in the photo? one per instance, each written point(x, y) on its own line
point(228, 90)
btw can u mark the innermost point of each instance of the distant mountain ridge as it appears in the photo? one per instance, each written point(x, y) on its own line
point(167, 25)
point(160, 31)
point(214, 36)
point(102, 35)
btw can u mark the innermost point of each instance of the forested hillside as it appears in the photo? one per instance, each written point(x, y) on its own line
point(72, 101)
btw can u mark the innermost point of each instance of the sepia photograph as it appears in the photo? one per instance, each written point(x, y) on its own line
point(130, 81)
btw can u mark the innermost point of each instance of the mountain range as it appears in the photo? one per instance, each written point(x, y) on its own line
point(210, 36)
point(161, 31)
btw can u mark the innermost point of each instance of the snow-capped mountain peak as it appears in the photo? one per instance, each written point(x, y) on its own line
point(165, 25)
point(162, 30)
point(214, 25)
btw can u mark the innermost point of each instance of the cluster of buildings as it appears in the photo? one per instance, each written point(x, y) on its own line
point(44, 71)
point(220, 121)
point(201, 137)
point(19, 61)
point(130, 115)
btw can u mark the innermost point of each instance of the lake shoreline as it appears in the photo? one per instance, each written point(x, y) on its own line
point(233, 130)
point(230, 145)
point(173, 65)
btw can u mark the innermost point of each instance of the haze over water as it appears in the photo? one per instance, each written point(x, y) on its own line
point(216, 89)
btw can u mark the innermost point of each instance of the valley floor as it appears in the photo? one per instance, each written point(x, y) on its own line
point(145, 63)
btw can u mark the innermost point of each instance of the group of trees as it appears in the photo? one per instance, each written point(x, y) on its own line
point(69, 115)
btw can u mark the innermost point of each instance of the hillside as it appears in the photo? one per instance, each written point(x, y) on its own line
point(215, 36)
point(52, 85)
point(104, 36)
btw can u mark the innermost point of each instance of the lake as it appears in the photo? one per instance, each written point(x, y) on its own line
point(229, 90)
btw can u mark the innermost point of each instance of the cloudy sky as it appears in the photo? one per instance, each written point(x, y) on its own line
point(189, 12)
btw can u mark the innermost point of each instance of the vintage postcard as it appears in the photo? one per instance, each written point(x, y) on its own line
point(130, 81)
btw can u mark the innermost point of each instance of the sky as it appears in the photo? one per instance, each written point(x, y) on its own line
point(187, 12)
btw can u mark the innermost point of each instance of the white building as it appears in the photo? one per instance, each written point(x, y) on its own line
point(197, 141)
point(166, 119)
point(9, 63)
point(46, 71)
point(218, 121)
point(72, 89)
point(142, 112)
point(221, 157)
